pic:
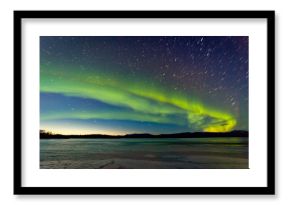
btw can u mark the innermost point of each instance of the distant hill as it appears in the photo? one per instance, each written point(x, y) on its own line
point(235, 133)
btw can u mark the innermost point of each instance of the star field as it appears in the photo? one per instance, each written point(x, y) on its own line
point(138, 84)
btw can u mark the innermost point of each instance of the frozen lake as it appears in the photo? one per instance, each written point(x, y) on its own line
point(185, 153)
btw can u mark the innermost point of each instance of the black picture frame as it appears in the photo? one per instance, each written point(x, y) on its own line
point(270, 18)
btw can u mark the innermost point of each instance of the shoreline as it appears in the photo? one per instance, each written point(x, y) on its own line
point(241, 134)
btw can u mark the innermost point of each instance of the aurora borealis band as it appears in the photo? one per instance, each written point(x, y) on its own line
point(143, 84)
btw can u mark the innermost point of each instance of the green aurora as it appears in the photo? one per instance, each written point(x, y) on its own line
point(150, 103)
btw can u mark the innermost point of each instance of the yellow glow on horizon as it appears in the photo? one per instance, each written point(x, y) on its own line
point(81, 131)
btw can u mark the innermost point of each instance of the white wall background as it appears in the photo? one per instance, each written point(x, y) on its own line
point(282, 99)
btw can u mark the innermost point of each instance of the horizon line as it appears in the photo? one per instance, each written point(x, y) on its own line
point(152, 134)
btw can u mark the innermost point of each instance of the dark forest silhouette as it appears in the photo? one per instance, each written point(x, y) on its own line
point(236, 133)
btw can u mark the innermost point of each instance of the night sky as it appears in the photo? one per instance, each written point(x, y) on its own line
point(152, 84)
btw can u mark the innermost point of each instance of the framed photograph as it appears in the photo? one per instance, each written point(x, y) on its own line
point(144, 102)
